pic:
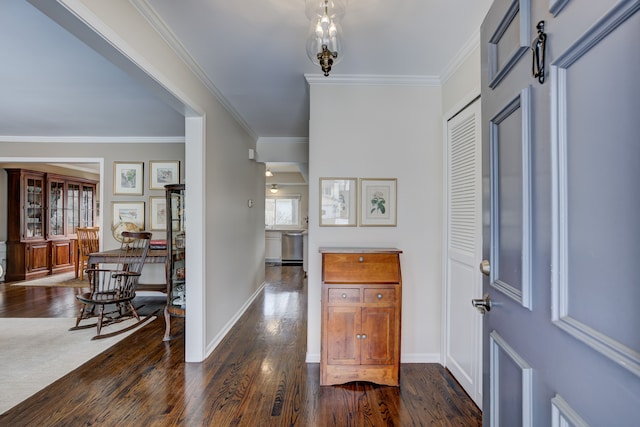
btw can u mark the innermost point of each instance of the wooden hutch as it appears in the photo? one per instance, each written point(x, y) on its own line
point(43, 212)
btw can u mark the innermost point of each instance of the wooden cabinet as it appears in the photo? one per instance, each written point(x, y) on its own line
point(273, 246)
point(43, 212)
point(361, 312)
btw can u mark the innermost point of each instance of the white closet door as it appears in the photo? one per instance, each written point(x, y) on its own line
point(463, 353)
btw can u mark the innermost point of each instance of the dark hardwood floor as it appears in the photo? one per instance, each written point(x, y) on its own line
point(256, 377)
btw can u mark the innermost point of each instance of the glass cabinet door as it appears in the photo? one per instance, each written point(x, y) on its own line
point(86, 207)
point(35, 207)
point(72, 208)
point(56, 208)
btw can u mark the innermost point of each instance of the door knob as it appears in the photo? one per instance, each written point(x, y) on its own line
point(485, 267)
point(482, 304)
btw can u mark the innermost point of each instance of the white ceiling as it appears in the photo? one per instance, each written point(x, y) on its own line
point(251, 51)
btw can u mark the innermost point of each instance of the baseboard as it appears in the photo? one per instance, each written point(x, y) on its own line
point(218, 338)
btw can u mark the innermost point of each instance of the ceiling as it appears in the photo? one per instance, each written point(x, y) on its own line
point(250, 52)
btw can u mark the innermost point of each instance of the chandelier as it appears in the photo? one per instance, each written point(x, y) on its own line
point(324, 43)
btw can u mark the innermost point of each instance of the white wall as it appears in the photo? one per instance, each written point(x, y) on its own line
point(225, 253)
point(383, 131)
point(463, 85)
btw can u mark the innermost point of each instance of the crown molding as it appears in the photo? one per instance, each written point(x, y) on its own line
point(95, 139)
point(371, 80)
point(149, 13)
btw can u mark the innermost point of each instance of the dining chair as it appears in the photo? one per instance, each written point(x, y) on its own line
point(88, 242)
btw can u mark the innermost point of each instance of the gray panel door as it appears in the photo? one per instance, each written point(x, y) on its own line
point(561, 227)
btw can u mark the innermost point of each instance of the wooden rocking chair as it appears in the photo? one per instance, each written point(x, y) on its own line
point(115, 288)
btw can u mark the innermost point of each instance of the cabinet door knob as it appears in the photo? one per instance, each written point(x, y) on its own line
point(364, 336)
point(379, 296)
point(361, 259)
point(358, 336)
point(344, 295)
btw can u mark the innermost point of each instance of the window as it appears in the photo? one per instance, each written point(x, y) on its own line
point(282, 211)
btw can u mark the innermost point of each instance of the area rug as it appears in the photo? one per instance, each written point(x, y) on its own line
point(36, 352)
point(65, 280)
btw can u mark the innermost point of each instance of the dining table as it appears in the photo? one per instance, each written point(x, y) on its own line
point(154, 256)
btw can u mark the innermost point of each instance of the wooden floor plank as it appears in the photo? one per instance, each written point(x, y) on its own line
point(257, 376)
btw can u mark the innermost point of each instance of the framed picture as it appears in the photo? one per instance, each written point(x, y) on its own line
point(158, 213)
point(128, 212)
point(163, 173)
point(127, 178)
point(338, 202)
point(378, 202)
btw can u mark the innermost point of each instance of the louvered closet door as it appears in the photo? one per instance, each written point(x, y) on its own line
point(463, 352)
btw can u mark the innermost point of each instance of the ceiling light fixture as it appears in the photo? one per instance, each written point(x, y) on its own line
point(324, 43)
point(268, 173)
point(274, 188)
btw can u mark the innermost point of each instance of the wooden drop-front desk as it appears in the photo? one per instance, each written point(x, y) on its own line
point(154, 256)
point(361, 312)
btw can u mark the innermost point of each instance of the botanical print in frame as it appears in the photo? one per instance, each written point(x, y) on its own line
point(158, 213)
point(163, 173)
point(128, 212)
point(378, 202)
point(338, 202)
point(127, 178)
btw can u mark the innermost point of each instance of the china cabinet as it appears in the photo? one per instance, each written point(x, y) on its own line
point(43, 212)
point(361, 311)
point(175, 264)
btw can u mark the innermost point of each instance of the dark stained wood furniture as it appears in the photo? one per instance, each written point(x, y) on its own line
point(88, 242)
point(43, 212)
point(361, 312)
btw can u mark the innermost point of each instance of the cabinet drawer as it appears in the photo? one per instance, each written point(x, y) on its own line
point(361, 268)
point(344, 295)
point(386, 295)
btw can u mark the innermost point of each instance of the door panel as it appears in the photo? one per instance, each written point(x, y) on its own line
point(378, 323)
point(511, 383)
point(510, 192)
point(599, 226)
point(38, 254)
point(343, 323)
point(575, 349)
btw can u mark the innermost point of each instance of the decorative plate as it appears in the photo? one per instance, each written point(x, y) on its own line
point(120, 227)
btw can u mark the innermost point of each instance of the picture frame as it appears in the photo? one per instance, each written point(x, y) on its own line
point(163, 172)
point(158, 212)
point(128, 178)
point(128, 212)
point(378, 202)
point(338, 202)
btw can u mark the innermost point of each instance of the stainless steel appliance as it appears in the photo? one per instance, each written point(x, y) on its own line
point(292, 247)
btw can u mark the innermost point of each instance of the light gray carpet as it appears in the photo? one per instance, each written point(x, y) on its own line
point(67, 280)
point(36, 352)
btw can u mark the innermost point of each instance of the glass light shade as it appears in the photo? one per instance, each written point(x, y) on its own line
point(274, 188)
point(324, 31)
